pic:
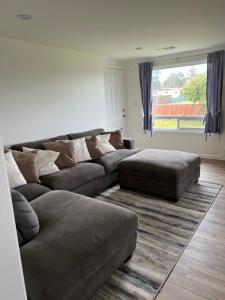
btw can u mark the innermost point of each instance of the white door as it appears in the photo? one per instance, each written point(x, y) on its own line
point(115, 98)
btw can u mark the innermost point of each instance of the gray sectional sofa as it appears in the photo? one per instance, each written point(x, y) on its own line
point(87, 178)
point(81, 240)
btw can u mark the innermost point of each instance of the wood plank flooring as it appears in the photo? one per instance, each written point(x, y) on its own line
point(200, 271)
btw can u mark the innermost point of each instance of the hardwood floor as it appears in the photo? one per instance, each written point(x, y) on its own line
point(200, 271)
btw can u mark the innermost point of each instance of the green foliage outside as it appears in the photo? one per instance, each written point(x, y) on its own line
point(195, 89)
point(193, 85)
point(174, 80)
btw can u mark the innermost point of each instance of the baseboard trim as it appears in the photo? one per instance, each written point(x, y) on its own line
point(215, 157)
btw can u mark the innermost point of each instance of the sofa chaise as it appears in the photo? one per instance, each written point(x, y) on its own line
point(81, 241)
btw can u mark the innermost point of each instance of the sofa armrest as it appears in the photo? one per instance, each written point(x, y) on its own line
point(128, 143)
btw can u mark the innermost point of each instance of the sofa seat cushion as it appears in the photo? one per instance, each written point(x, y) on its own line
point(74, 177)
point(161, 165)
point(111, 160)
point(32, 191)
point(78, 236)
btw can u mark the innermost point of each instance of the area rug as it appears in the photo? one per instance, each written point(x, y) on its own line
point(163, 233)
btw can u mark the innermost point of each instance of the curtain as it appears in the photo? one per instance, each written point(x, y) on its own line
point(145, 77)
point(214, 89)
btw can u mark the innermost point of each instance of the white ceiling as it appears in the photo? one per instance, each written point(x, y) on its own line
point(113, 28)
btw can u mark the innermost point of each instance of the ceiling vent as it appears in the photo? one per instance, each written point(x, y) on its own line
point(24, 17)
point(167, 48)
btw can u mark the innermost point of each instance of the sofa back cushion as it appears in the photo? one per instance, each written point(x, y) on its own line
point(26, 219)
point(74, 136)
point(37, 144)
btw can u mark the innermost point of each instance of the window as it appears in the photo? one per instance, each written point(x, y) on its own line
point(179, 97)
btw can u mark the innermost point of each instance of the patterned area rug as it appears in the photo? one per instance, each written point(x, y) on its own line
point(164, 231)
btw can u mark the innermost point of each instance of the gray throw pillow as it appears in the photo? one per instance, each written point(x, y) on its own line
point(27, 222)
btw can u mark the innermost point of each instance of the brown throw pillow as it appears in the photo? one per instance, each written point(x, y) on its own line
point(26, 162)
point(116, 139)
point(94, 151)
point(66, 157)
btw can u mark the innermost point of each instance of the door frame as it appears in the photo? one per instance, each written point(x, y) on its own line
point(113, 67)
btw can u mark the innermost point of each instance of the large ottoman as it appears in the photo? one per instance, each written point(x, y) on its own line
point(80, 243)
point(164, 173)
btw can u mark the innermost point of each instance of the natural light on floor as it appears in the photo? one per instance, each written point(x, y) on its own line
point(179, 97)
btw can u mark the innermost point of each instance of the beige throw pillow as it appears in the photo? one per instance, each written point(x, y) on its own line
point(103, 143)
point(45, 161)
point(81, 150)
point(27, 163)
point(66, 149)
point(14, 175)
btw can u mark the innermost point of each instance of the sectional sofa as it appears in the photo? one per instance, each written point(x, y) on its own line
point(81, 240)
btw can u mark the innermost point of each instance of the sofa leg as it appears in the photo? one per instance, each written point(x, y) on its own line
point(128, 258)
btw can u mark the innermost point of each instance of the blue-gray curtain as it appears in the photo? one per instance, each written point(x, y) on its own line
point(145, 77)
point(214, 90)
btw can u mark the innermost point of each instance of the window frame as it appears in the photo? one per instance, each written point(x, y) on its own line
point(173, 63)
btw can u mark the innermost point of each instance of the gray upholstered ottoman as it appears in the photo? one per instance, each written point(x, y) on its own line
point(164, 173)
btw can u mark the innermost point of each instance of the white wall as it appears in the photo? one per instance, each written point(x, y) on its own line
point(47, 91)
point(191, 142)
point(11, 277)
point(115, 63)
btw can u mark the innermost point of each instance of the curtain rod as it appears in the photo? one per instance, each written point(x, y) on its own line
point(174, 59)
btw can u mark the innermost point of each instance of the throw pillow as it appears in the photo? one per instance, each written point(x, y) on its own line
point(81, 150)
point(66, 157)
point(26, 162)
point(14, 175)
point(26, 219)
point(116, 139)
point(45, 161)
point(94, 151)
point(103, 143)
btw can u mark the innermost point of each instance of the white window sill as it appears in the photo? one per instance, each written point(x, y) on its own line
point(199, 132)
